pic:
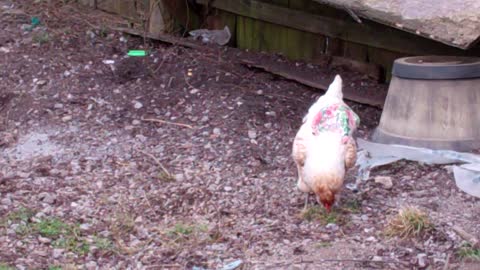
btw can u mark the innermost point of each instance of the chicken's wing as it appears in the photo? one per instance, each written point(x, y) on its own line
point(350, 153)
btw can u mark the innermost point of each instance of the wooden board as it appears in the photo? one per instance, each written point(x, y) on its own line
point(453, 22)
point(367, 33)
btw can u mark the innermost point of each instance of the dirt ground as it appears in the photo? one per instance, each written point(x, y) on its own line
point(182, 160)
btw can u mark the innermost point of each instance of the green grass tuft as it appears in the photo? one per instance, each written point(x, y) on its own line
point(317, 213)
point(469, 252)
point(409, 222)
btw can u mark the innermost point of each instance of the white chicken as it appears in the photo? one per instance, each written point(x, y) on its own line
point(324, 147)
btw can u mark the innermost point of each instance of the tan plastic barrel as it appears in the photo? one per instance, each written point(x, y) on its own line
point(435, 104)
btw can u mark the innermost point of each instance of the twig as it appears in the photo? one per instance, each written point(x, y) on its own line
point(157, 161)
point(466, 236)
point(162, 266)
point(166, 122)
point(277, 263)
point(447, 263)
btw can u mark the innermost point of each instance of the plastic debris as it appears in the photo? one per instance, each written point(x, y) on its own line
point(466, 172)
point(108, 62)
point(232, 266)
point(137, 53)
point(34, 22)
point(229, 266)
point(220, 37)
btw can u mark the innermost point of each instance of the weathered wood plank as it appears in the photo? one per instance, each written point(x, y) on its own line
point(368, 33)
point(374, 98)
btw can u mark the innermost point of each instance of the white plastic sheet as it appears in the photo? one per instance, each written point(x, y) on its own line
point(220, 37)
point(466, 169)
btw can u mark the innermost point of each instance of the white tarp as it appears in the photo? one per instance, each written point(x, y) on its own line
point(466, 169)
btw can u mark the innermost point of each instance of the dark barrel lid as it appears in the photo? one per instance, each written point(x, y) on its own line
point(437, 67)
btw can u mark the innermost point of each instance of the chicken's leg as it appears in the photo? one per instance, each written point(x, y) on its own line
point(307, 195)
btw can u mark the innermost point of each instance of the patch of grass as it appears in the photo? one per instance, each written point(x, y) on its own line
point(469, 252)
point(74, 244)
point(6, 267)
point(103, 31)
point(316, 213)
point(65, 235)
point(166, 176)
point(52, 228)
point(22, 214)
point(352, 206)
point(41, 38)
point(24, 229)
point(103, 243)
point(409, 222)
point(54, 268)
point(182, 231)
point(121, 224)
point(323, 245)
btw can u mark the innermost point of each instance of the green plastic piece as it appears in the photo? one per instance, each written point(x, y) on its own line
point(137, 53)
point(35, 21)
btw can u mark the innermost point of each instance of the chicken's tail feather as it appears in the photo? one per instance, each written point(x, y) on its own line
point(335, 88)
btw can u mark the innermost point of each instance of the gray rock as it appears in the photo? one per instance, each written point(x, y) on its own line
point(57, 252)
point(386, 181)
point(377, 259)
point(332, 226)
point(44, 240)
point(137, 105)
point(422, 260)
point(47, 197)
point(91, 265)
point(6, 201)
point(67, 118)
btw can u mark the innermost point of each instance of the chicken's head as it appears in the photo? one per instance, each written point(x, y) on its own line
point(327, 198)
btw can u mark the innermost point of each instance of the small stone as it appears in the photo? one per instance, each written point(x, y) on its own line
point(252, 134)
point(108, 62)
point(85, 227)
point(386, 181)
point(91, 265)
point(139, 219)
point(216, 131)
point(41, 82)
point(67, 118)
point(371, 239)
point(67, 73)
point(179, 177)
point(58, 106)
point(377, 259)
point(136, 122)
point(422, 262)
point(57, 252)
point(47, 197)
point(44, 240)
point(138, 105)
point(227, 188)
point(271, 114)
point(6, 201)
point(194, 91)
point(332, 226)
